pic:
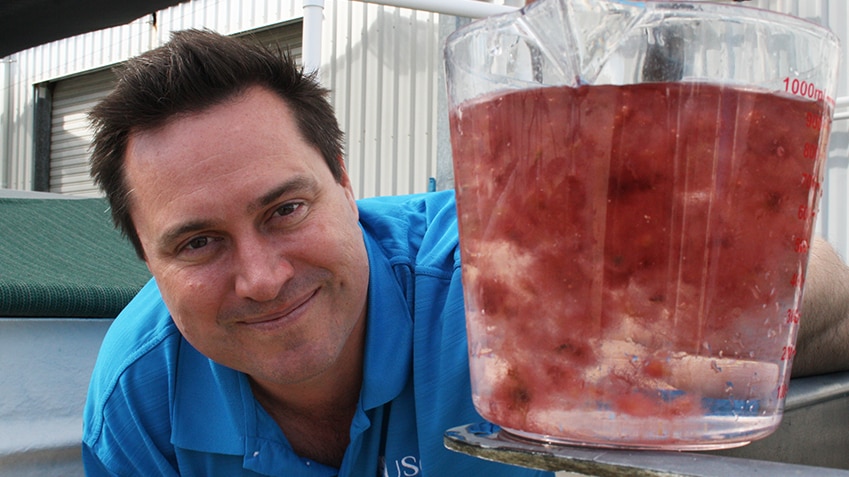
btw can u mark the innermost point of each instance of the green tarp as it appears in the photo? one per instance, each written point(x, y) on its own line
point(63, 258)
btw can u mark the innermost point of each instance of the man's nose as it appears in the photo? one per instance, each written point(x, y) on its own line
point(261, 270)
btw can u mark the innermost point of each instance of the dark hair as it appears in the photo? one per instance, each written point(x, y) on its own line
point(195, 70)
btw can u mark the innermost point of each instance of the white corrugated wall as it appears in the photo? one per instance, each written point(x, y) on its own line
point(82, 54)
point(383, 65)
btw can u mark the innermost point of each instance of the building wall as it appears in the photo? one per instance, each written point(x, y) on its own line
point(381, 63)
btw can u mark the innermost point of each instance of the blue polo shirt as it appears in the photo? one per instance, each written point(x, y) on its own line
point(156, 406)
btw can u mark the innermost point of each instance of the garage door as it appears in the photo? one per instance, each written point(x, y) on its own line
point(69, 133)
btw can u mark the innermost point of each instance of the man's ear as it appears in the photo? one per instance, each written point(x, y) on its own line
point(345, 182)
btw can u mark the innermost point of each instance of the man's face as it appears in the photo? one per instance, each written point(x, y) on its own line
point(254, 245)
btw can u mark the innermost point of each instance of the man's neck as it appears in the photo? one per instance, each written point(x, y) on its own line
point(322, 397)
point(316, 415)
point(320, 432)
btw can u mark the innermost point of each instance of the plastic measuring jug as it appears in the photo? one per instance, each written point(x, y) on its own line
point(637, 185)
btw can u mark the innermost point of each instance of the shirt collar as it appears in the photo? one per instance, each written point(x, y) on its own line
point(389, 337)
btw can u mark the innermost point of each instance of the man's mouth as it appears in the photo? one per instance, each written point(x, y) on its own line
point(281, 316)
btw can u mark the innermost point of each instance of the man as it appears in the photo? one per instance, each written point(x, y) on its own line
point(290, 330)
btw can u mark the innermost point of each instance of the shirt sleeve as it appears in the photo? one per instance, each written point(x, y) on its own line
point(129, 433)
point(127, 415)
point(95, 467)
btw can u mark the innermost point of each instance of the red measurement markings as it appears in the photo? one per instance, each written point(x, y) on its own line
point(806, 212)
point(797, 280)
point(813, 121)
point(787, 353)
point(801, 245)
point(809, 151)
point(803, 88)
point(793, 316)
point(811, 181)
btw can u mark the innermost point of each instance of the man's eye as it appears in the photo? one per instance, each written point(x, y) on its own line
point(197, 242)
point(288, 208)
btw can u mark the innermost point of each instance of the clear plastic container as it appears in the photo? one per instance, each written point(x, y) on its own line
point(636, 197)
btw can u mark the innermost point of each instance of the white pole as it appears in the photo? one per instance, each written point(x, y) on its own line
point(5, 120)
point(459, 8)
point(314, 13)
point(841, 103)
point(311, 46)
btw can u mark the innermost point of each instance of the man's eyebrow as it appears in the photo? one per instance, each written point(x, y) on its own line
point(175, 233)
point(294, 184)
